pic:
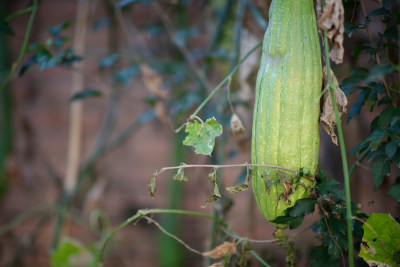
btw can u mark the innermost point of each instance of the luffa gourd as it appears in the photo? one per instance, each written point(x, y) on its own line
point(286, 113)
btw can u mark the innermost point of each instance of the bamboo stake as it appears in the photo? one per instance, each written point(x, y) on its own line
point(75, 130)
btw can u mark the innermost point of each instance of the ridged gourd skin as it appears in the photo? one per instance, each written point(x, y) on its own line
point(286, 113)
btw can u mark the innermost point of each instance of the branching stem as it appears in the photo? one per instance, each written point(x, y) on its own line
point(184, 165)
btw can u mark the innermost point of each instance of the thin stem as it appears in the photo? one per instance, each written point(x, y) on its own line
point(19, 13)
point(358, 161)
point(343, 154)
point(24, 44)
point(144, 212)
point(183, 165)
point(233, 71)
point(182, 48)
point(259, 258)
point(162, 229)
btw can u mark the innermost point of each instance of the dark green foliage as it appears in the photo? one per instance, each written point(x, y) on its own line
point(87, 93)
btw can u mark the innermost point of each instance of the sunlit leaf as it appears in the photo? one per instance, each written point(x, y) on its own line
point(382, 240)
point(202, 135)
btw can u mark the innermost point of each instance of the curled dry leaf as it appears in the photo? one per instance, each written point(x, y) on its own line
point(331, 19)
point(152, 81)
point(237, 126)
point(328, 118)
point(221, 251)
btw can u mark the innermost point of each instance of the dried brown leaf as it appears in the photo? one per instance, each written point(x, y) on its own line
point(217, 264)
point(237, 126)
point(328, 118)
point(153, 81)
point(221, 251)
point(331, 19)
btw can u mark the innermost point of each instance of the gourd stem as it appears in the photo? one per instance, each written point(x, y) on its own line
point(233, 71)
point(343, 154)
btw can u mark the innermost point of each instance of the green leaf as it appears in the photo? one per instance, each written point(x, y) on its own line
point(380, 168)
point(391, 33)
point(55, 30)
point(293, 222)
point(86, 94)
point(391, 148)
point(385, 117)
point(380, 12)
point(375, 138)
point(395, 192)
point(202, 135)
point(124, 3)
point(108, 61)
point(5, 27)
point(382, 235)
point(302, 207)
point(322, 258)
point(126, 75)
point(70, 253)
point(377, 72)
point(180, 176)
point(328, 187)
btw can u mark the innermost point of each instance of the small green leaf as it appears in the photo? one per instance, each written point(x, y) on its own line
point(377, 72)
point(380, 168)
point(302, 207)
point(86, 94)
point(108, 61)
point(395, 192)
point(382, 235)
point(202, 135)
point(327, 187)
point(322, 258)
point(55, 30)
point(391, 148)
point(180, 176)
point(5, 27)
point(379, 12)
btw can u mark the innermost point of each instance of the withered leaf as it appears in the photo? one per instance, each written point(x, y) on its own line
point(331, 19)
point(328, 118)
point(152, 81)
point(213, 177)
point(152, 184)
point(217, 264)
point(240, 187)
point(180, 176)
point(221, 251)
point(236, 125)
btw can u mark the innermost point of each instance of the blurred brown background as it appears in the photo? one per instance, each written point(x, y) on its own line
point(117, 184)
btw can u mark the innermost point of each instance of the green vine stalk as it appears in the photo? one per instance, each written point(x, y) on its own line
point(343, 155)
point(33, 10)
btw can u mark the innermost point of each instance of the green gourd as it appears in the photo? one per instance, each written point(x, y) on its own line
point(286, 113)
